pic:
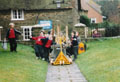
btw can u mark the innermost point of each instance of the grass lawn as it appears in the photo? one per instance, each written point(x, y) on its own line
point(101, 61)
point(21, 66)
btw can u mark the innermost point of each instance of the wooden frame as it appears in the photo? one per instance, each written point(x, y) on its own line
point(12, 15)
point(30, 32)
point(0, 32)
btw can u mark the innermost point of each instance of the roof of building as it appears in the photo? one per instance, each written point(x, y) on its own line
point(50, 5)
point(90, 3)
point(95, 6)
point(84, 5)
point(31, 4)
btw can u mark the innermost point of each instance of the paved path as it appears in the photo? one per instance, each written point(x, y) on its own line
point(66, 73)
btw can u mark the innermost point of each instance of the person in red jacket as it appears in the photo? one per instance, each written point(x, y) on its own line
point(39, 51)
point(11, 36)
point(48, 46)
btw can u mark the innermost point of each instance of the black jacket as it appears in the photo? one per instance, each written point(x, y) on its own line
point(16, 32)
point(74, 41)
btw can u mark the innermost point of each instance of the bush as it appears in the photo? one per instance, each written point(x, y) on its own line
point(85, 20)
point(112, 31)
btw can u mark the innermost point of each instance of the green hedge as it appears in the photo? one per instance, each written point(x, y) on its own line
point(85, 20)
point(112, 31)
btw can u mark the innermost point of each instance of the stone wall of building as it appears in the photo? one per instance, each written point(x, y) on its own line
point(31, 17)
point(4, 21)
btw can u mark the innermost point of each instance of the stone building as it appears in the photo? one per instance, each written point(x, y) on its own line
point(26, 13)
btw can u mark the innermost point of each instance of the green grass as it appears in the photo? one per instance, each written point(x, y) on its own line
point(21, 66)
point(101, 61)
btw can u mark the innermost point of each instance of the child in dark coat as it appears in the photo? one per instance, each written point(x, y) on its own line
point(74, 45)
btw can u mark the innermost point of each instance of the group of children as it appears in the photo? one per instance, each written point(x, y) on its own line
point(44, 41)
point(43, 45)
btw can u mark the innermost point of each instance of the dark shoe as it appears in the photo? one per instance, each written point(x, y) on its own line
point(47, 60)
point(15, 51)
point(11, 50)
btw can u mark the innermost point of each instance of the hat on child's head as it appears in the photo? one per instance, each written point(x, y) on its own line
point(43, 31)
point(12, 24)
point(49, 32)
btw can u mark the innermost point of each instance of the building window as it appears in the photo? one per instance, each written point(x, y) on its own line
point(17, 15)
point(93, 20)
point(58, 2)
point(27, 32)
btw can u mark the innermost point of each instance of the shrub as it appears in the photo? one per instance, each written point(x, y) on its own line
point(112, 31)
point(85, 20)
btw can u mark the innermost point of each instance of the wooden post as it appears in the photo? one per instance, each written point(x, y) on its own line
point(53, 31)
point(58, 34)
point(0, 34)
point(58, 30)
point(66, 34)
point(86, 32)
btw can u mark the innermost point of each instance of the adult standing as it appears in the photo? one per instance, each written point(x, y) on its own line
point(74, 44)
point(12, 36)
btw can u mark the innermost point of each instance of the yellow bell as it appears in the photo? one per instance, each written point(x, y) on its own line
point(81, 48)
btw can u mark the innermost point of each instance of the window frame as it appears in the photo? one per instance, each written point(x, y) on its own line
point(12, 15)
point(30, 32)
point(93, 19)
point(58, 4)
